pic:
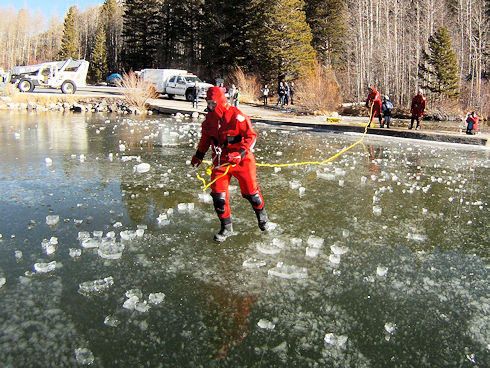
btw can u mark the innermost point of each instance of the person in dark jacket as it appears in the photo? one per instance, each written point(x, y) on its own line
point(386, 108)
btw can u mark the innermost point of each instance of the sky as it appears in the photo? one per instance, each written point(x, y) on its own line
point(49, 7)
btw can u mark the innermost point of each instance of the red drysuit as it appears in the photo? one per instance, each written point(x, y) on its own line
point(230, 134)
point(373, 94)
point(418, 106)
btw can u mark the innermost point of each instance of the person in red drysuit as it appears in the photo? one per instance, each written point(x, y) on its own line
point(373, 99)
point(417, 109)
point(472, 121)
point(229, 131)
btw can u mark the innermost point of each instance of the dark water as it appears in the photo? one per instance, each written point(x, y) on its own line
point(378, 259)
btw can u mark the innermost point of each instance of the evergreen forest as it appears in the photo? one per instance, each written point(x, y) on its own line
point(399, 46)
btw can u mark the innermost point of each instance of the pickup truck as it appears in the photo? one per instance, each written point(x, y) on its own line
point(174, 82)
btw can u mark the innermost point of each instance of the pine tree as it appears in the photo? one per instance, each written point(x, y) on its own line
point(328, 22)
point(98, 58)
point(141, 33)
point(280, 39)
point(439, 69)
point(69, 43)
point(112, 20)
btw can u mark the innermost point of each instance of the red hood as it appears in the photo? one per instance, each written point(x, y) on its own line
point(217, 94)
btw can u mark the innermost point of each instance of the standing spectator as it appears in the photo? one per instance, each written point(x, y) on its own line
point(195, 95)
point(223, 88)
point(386, 108)
point(236, 97)
point(281, 91)
point(286, 94)
point(265, 94)
point(231, 94)
point(417, 109)
point(472, 121)
point(291, 92)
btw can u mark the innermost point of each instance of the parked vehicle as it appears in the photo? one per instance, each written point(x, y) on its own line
point(67, 75)
point(114, 79)
point(174, 82)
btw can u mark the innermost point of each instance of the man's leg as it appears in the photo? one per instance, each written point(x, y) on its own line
point(221, 202)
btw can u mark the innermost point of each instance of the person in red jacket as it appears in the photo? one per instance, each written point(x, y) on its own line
point(417, 109)
point(373, 102)
point(472, 121)
point(230, 134)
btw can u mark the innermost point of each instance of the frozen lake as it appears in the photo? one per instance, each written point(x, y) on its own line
point(378, 259)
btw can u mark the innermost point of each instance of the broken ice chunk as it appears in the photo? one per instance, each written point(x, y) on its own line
point(111, 321)
point(96, 286)
point(265, 324)
point(336, 340)
point(130, 303)
point(18, 255)
point(381, 271)
point(253, 263)
point(127, 234)
point(390, 327)
point(84, 356)
point(156, 298)
point(52, 220)
point(416, 237)
point(334, 258)
point(142, 168)
point(288, 272)
point(110, 249)
point(315, 241)
point(48, 161)
point(74, 253)
point(377, 210)
point(268, 249)
point(44, 267)
point(312, 252)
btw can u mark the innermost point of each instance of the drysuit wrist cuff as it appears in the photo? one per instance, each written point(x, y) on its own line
point(242, 152)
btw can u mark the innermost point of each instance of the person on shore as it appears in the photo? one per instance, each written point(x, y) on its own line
point(386, 108)
point(472, 121)
point(265, 94)
point(195, 95)
point(231, 94)
point(291, 92)
point(281, 91)
point(287, 93)
point(417, 109)
point(373, 102)
point(236, 97)
point(230, 134)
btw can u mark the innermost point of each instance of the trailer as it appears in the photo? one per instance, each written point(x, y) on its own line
point(67, 75)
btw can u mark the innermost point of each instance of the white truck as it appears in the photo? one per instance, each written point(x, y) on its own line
point(174, 82)
point(67, 75)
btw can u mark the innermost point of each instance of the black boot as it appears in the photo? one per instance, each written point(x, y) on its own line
point(226, 230)
point(262, 219)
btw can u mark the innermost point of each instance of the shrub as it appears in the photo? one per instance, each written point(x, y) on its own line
point(248, 83)
point(136, 91)
point(319, 90)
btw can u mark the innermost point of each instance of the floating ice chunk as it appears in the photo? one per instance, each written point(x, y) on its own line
point(341, 182)
point(89, 243)
point(48, 161)
point(131, 303)
point(81, 158)
point(282, 348)
point(142, 168)
point(96, 286)
point(18, 255)
point(416, 237)
point(52, 220)
point(336, 340)
point(381, 271)
point(278, 153)
point(111, 321)
point(142, 307)
point(338, 249)
point(110, 235)
point(294, 184)
point(277, 169)
point(110, 249)
point(312, 252)
point(345, 233)
point(3, 280)
point(363, 180)
point(334, 258)
point(140, 232)
point(98, 233)
point(339, 171)
point(75, 253)
point(265, 324)
point(48, 248)
point(278, 243)
point(84, 356)
point(390, 327)
point(122, 147)
point(288, 272)
point(315, 241)
point(377, 210)
point(253, 263)
point(127, 235)
point(162, 220)
point(156, 298)
point(302, 191)
point(269, 249)
point(204, 197)
point(325, 176)
point(296, 242)
point(44, 267)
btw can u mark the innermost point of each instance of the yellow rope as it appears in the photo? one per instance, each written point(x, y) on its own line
point(210, 167)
